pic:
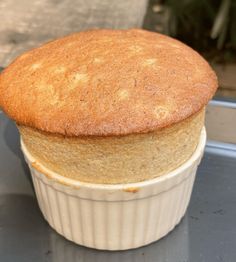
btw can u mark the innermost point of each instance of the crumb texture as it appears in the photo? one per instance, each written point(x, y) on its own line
point(117, 159)
point(106, 82)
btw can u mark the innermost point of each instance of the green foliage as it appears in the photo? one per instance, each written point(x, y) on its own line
point(207, 25)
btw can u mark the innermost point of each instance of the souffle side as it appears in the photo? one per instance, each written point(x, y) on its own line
point(109, 106)
point(110, 160)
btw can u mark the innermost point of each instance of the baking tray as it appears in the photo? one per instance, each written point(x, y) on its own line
point(206, 233)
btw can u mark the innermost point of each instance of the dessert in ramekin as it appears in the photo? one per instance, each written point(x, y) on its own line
point(109, 121)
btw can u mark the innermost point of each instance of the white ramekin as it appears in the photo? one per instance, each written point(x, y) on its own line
point(114, 217)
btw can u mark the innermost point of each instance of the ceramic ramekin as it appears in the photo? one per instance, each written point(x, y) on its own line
point(114, 217)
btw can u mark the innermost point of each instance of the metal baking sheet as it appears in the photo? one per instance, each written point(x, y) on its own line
point(207, 232)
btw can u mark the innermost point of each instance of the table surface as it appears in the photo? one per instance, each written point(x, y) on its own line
point(207, 232)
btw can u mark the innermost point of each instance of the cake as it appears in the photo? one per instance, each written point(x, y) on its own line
point(112, 128)
point(109, 106)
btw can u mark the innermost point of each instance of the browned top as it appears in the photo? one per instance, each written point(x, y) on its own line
point(106, 82)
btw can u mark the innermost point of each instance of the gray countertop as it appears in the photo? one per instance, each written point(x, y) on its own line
point(207, 232)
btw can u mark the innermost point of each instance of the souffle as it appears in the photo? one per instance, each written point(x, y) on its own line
point(109, 106)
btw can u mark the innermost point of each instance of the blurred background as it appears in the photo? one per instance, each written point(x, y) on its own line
point(209, 26)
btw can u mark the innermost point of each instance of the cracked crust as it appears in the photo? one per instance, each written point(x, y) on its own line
point(106, 83)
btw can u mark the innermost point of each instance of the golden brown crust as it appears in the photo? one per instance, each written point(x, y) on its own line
point(116, 159)
point(106, 82)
